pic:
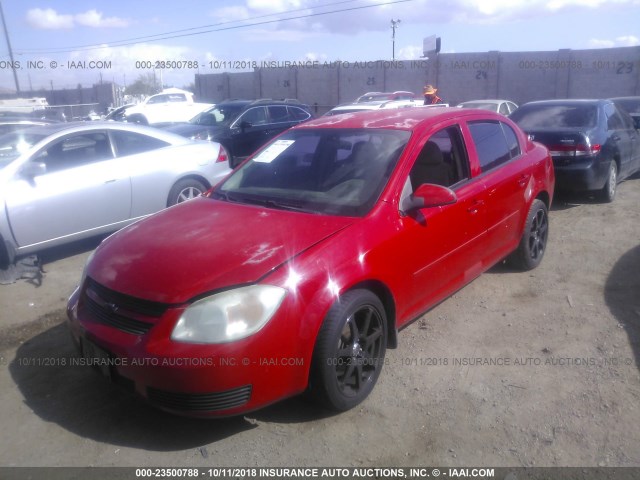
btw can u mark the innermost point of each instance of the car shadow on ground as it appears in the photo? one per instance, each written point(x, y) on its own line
point(622, 296)
point(78, 399)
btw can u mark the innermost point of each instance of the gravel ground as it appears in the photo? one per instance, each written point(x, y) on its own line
point(516, 369)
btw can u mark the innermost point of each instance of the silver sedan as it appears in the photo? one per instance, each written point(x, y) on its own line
point(64, 182)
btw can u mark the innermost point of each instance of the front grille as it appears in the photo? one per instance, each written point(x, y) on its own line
point(118, 310)
point(200, 401)
point(147, 308)
point(107, 317)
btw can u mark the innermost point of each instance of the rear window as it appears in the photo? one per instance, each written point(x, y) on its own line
point(531, 117)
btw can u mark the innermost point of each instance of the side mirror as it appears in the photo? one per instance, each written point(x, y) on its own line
point(245, 125)
point(33, 169)
point(429, 195)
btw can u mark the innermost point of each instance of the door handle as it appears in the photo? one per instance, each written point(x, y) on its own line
point(111, 181)
point(475, 206)
point(615, 138)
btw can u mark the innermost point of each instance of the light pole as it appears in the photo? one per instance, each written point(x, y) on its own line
point(13, 64)
point(394, 25)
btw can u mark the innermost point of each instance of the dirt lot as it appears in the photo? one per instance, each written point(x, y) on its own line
point(516, 369)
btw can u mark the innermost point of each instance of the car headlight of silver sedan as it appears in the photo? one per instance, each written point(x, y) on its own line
point(228, 316)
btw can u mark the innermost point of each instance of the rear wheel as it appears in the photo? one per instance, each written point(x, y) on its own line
point(5, 261)
point(534, 238)
point(608, 192)
point(185, 190)
point(349, 351)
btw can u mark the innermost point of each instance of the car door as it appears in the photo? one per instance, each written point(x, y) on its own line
point(621, 137)
point(279, 120)
point(75, 190)
point(249, 131)
point(150, 174)
point(506, 179)
point(440, 248)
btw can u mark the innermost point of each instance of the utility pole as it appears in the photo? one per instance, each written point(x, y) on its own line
point(394, 25)
point(13, 64)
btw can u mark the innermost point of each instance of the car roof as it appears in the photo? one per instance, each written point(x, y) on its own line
point(80, 126)
point(488, 100)
point(396, 119)
point(570, 101)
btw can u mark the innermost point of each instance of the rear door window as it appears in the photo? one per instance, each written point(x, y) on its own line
point(496, 143)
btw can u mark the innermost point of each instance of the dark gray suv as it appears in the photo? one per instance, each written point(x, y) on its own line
point(243, 126)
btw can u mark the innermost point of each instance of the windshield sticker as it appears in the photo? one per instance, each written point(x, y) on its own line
point(269, 154)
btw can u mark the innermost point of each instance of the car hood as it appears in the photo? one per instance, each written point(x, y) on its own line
point(204, 245)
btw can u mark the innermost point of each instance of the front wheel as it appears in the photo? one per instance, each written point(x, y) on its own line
point(534, 238)
point(608, 192)
point(185, 190)
point(349, 351)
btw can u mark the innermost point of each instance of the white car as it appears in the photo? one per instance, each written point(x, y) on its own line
point(67, 181)
point(505, 107)
point(170, 106)
point(373, 105)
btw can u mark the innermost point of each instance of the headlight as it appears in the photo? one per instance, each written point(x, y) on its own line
point(228, 316)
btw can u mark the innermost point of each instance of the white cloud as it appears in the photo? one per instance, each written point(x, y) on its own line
point(50, 19)
point(410, 52)
point(93, 18)
point(623, 41)
point(274, 5)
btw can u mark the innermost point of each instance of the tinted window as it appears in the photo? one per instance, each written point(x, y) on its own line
point(530, 117)
point(298, 113)
point(512, 140)
point(128, 143)
point(254, 116)
point(278, 113)
point(504, 110)
point(218, 115)
point(491, 144)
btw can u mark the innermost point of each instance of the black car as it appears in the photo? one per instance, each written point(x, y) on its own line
point(243, 126)
point(593, 143)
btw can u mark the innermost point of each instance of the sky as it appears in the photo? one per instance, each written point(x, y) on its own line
point(66, 43)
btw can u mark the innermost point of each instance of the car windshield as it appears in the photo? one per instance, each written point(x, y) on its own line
point(376, 97)
point(14, 144)
point(531, 117)
point(324, 171)
point(220, 115)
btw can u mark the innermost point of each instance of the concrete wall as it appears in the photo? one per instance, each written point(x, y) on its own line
point(517, 76)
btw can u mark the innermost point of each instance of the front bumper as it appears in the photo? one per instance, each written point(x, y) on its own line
point(186, 379)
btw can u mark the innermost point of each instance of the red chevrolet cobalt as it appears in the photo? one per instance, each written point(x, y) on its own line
point(296, 272)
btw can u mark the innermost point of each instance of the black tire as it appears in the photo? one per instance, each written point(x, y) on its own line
point(533, 243)
point(349, 351)
point(608, 192)
point(185, 190)
point(5, 260)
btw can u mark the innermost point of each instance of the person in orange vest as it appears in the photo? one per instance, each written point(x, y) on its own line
point(430, 97)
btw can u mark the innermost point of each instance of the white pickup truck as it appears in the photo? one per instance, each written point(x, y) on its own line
point(169, 106)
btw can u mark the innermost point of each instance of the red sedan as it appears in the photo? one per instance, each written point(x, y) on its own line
point(298, 270)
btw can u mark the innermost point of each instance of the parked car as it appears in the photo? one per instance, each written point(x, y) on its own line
point(385, 96)
point(243, 126)
point(297, 271)
point(632, 106)
point(505, 107)
point(377, 105)
point(593, 143)
point(63, 182)
point(172, 105)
